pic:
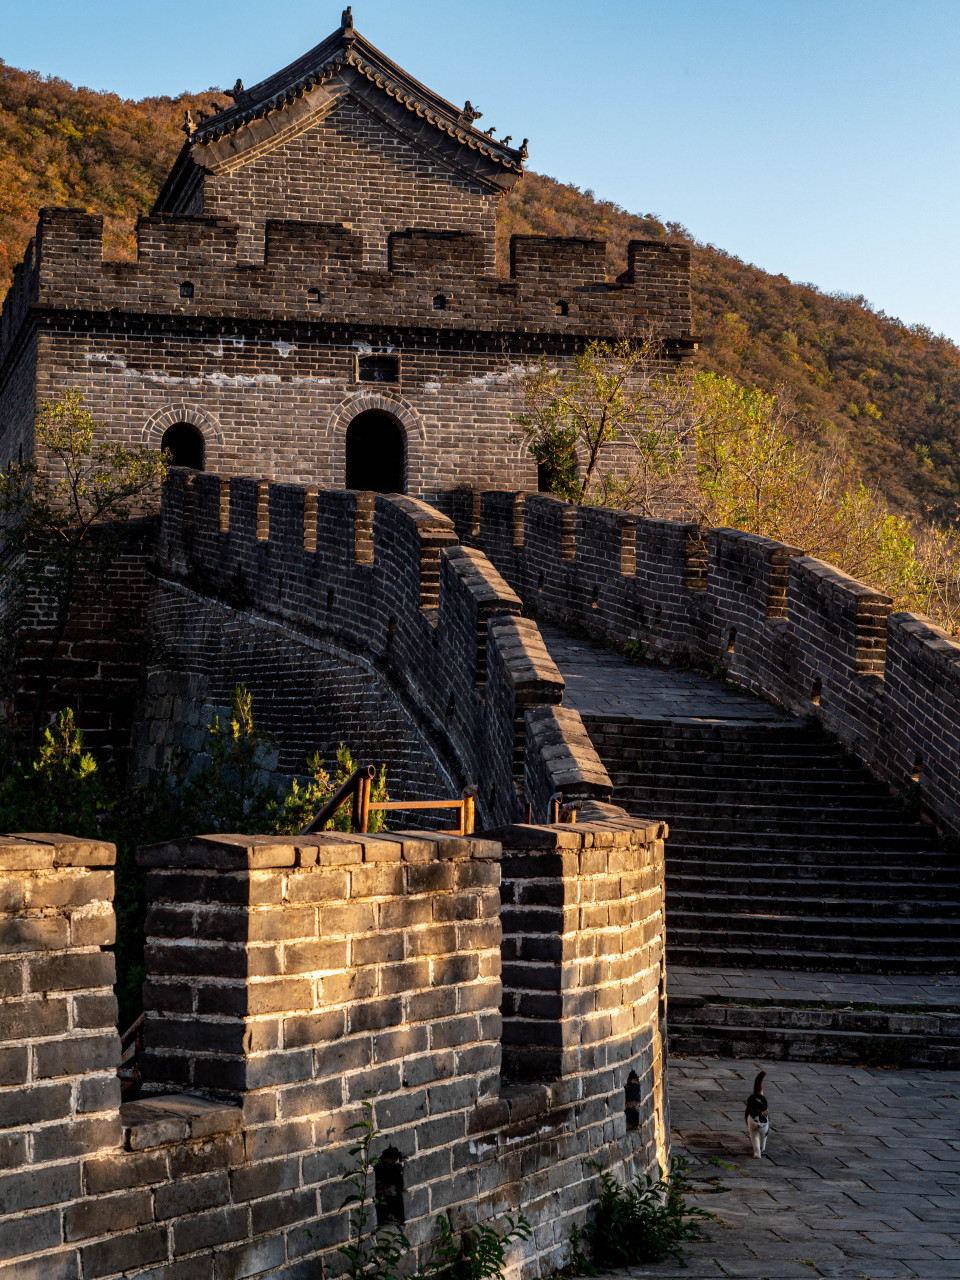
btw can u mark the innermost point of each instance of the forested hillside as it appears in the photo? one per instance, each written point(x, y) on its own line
point(891, 391)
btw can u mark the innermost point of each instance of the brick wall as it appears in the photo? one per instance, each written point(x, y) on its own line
point(782, 624)
point(99, 662)
point(359, 619)
point(287, 983)
point(262, 359)
point(350, 168)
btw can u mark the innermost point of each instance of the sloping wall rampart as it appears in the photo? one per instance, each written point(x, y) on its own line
point(384, 581)
point(781, 623)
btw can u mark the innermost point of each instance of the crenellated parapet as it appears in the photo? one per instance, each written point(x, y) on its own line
point(783, 624)
point(191, 269)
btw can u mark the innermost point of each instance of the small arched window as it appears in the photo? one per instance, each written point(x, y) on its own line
point(185, 445)
point(440, 302)
point(562, 308)
point(186, 289)
point(314, 297)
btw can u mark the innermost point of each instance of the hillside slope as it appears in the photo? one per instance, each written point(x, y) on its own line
point(892, 391)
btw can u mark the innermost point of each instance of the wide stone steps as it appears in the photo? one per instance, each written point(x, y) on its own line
point(778, 1031)
point(783, 851)
point(730, 829)
point(721, 855)
point(764, 883)
point(772, 929)
point(713, 954)
point(819, 900)
point(754, 792)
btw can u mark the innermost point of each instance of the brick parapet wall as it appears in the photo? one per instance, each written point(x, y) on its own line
point(387, 579)
point(289, 981)
point(785, 625)
point(65, 271)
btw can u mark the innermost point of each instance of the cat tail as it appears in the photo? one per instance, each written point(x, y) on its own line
point(758, 1083)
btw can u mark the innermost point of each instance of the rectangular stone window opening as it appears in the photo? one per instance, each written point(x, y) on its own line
point(388, 1173)
point(378, 369)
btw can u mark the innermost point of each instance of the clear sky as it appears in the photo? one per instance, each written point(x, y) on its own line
point(817, 138)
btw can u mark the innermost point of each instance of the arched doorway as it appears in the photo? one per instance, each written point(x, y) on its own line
point(185, 444)
point(375, 453)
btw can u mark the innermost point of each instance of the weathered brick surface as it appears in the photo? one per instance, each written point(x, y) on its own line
point(290, 981)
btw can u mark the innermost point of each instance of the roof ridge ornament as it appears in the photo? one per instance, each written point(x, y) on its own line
point(189, 126)
point(469, 113)
point(237, 93)
point(346, 19)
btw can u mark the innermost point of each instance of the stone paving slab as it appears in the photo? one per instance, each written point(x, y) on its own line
point(777, 986)
point(601, 682)
point(840, 1193)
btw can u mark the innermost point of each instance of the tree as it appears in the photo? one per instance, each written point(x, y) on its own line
point(616, 394)
point(62, 512)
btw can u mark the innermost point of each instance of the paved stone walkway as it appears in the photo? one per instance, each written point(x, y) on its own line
point(783, 987)
point(601, 682)
point(861, 1179)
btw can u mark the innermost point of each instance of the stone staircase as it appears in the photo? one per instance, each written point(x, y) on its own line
point(783, 851)
point(809, 916)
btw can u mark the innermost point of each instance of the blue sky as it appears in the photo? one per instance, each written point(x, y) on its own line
point(814, 138)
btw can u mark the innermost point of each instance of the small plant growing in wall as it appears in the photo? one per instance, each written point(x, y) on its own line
point(375, 1252)
point(646, 1221)
point(371, 1252)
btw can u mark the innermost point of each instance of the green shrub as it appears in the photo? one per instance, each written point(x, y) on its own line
point(646, 1221)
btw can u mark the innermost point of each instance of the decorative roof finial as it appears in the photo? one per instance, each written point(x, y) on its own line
point(469, 113)
point(188, 126)
point(507, 140)
point(236, 93)
point(346, 18)
point(523, 149)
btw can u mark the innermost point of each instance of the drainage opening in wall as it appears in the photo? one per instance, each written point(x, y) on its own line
point(388, 1173)
point(632, 1101)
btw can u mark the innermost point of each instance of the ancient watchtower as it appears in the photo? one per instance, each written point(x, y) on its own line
point(316, 296)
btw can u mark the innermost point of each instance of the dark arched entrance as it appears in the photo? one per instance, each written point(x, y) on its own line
point(375, 453)
point(185, 444)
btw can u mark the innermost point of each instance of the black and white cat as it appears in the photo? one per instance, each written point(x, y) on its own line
point(757, 1116)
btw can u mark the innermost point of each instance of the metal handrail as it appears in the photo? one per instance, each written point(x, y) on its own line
point(359, 785)
point(563, 812)
point(356, 785)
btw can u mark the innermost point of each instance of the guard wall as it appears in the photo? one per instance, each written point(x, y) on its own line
point(778, 622)
point(290, 982)
point(358, 618)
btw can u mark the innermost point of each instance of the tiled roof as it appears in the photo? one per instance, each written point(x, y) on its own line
point(347, 48)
